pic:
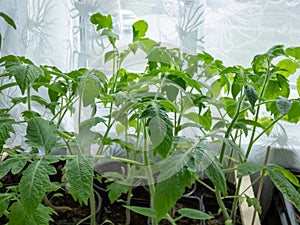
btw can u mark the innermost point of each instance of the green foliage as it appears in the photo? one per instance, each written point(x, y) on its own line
point(6, 128)
point(248, 168)
point(20, 215)
point(34, 182)
point(285, 187)
point(42, 134)
point(194, 214)
point(139, 30)
point(168, 191)
point(9, 21)
point(160, 128)
point(25, 75)
point(79, 174)
point(14, 164)
point(116, 190)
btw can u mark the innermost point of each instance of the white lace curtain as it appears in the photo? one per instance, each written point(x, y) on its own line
point(58, 32)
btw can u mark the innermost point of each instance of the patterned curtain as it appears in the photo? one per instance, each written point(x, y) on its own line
point(58, 32)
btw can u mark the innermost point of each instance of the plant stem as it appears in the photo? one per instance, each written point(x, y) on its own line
point(127, 211)
point(28, 99)
point(148, 172)
point(221, 204)
point(261, 182)
point(228, 132)
point(56, 208)
point(93, 208)
point(170, 219)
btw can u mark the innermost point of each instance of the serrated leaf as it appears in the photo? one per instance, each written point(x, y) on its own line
point(116, 190)
point(194, 214)
point(251, 94)
point(285, 187)
point(4, 203)
point(149, 212)
point(167, 192)
point(34, 182)
point(283, 105)
point(79, 173)
point(139, 29)
point(40, 133)
point(14, 164)
point(19, 215)
point(248, 168)
point(160, 129)
point(216, 175)
point(6, 129)
point(25, 75)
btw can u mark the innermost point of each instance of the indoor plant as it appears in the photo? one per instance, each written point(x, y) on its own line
point(151, 111)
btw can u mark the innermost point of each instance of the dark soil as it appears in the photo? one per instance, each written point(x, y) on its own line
point(201, 199)
point(76, 213)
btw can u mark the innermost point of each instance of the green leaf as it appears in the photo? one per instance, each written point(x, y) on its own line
point(248, 168)
point(288, 174)
point(160, 55)
point(251, 95)
point(25, 75)
point(19, 215)
point(149, 212)
point(298, 85)
point(216, 175)
point(34, 182)
point(285, 187)
point(293, 114)
point(79, 173)
point(139, 30)
point(194, 214)
point(116, 190)
point(8, 20)
point(101, 21)
point(91, 122)
point(206, 120)
point(41, 133)
point(294, 52)
point(109, 56)
point(160, 129)
point(174, 163)
point(167, 192)
point(14, 164)
point(6, 129)
point(283, 105)
point(252, 202)
point(4, 202)
point(89, 88)
point(287, 67)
